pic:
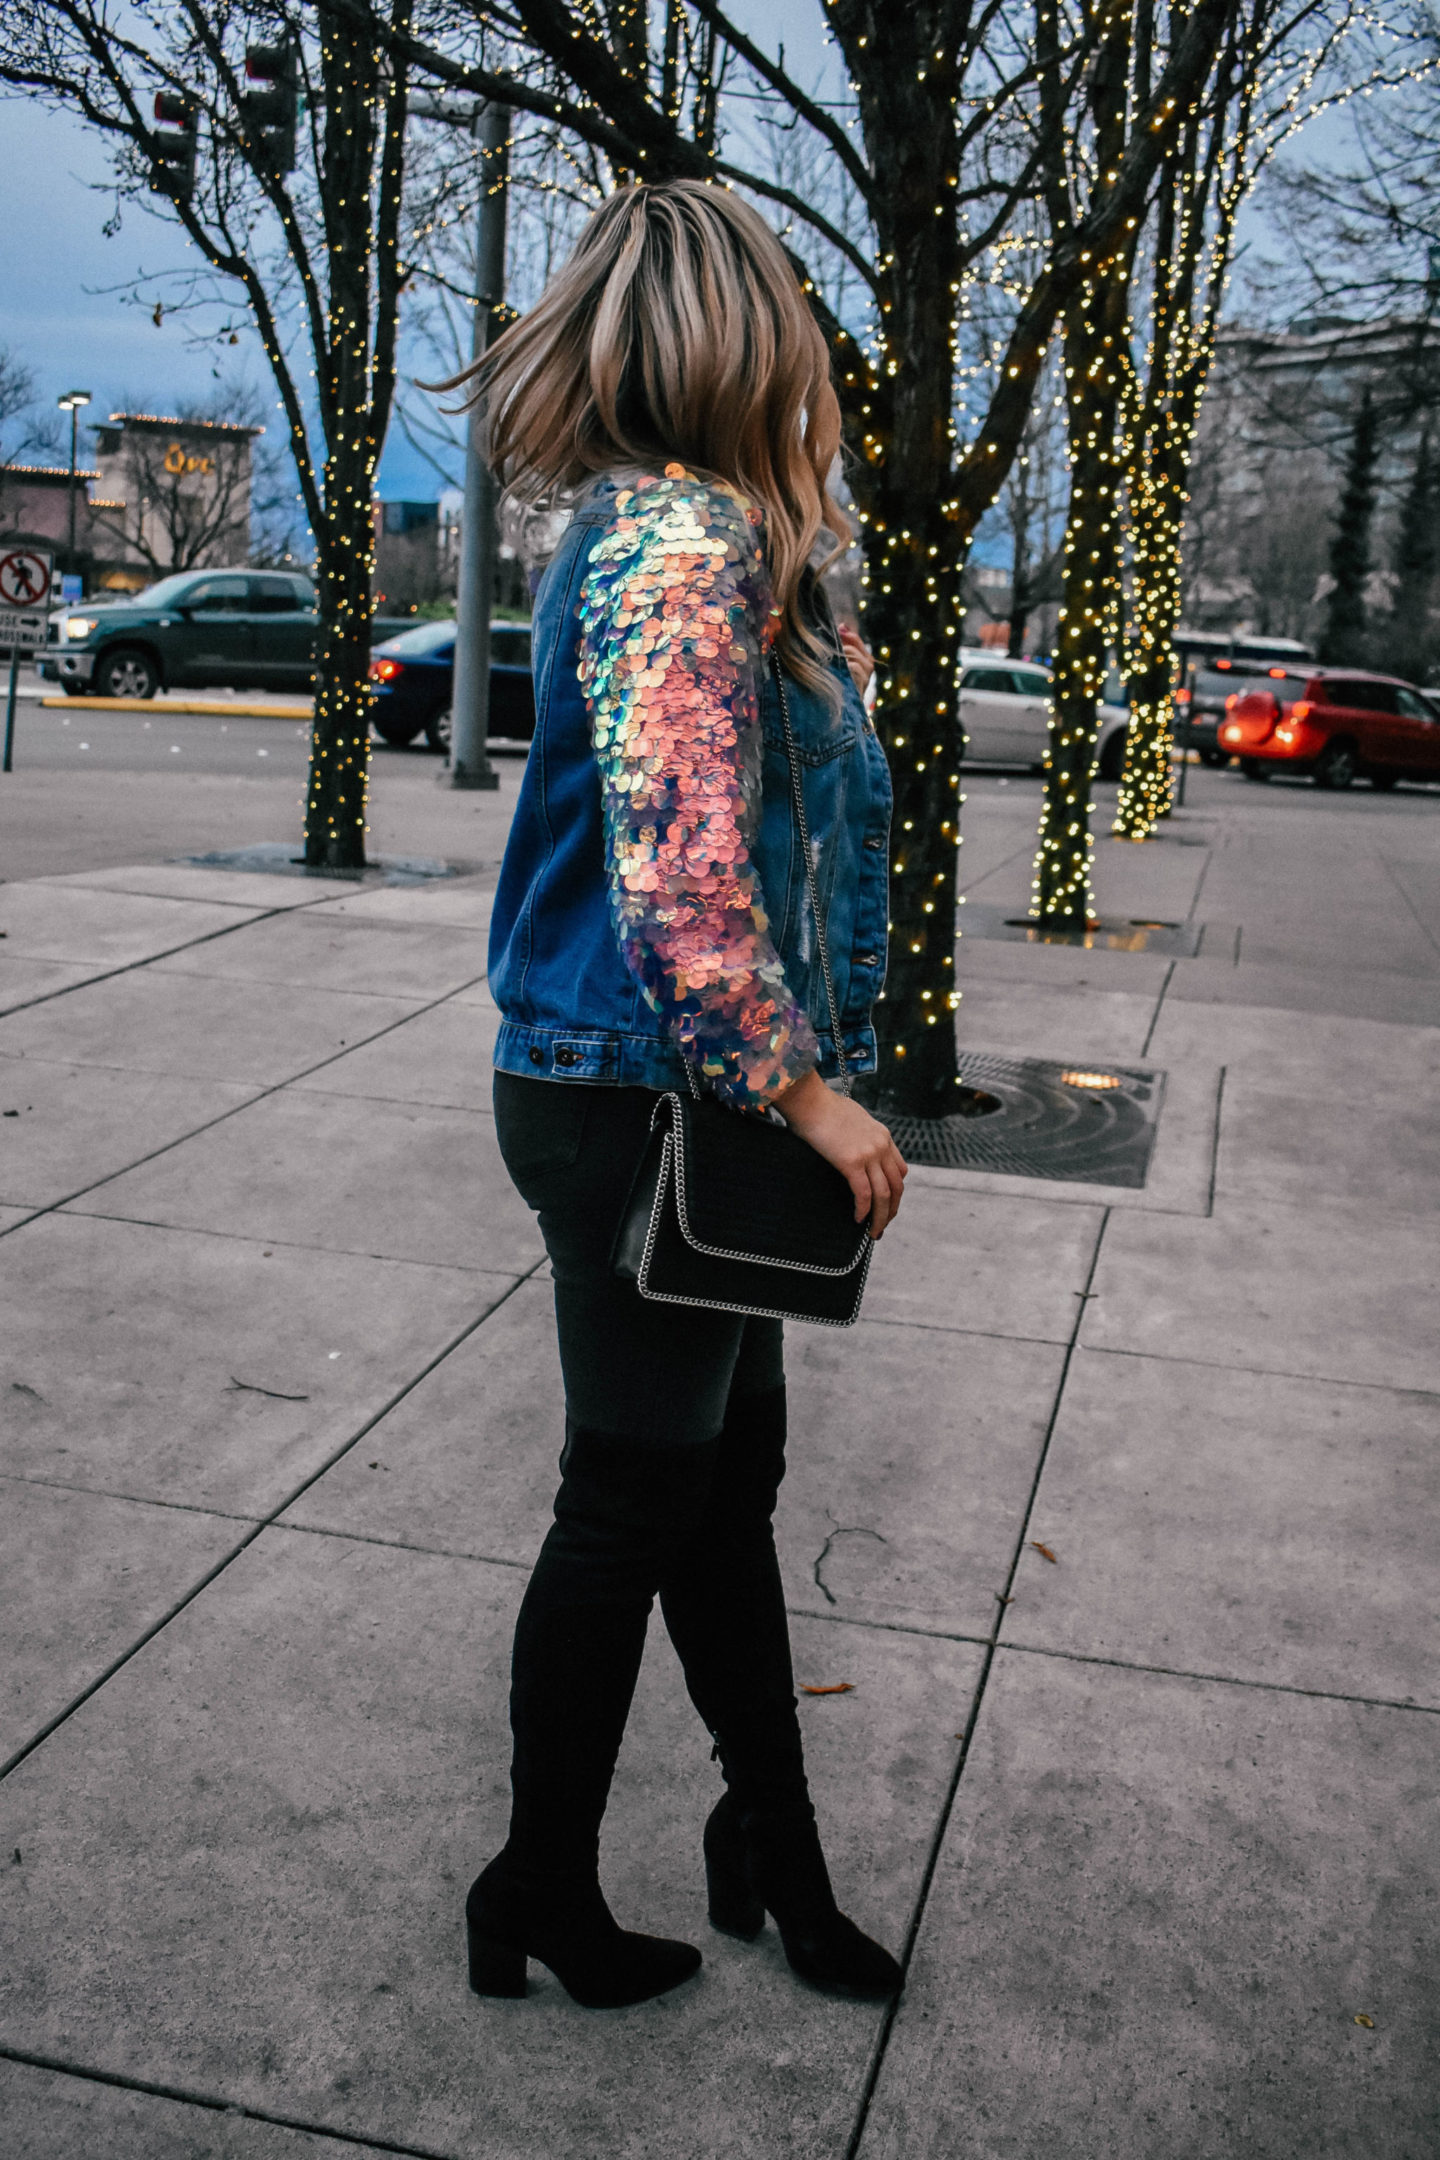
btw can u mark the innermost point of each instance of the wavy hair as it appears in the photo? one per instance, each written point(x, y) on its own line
point(677, 330)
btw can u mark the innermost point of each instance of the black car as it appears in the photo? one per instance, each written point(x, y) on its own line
point(412, 676)
point(247, 629)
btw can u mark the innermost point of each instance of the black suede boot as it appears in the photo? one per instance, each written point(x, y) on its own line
point(623, 1510)
point(724, 1608)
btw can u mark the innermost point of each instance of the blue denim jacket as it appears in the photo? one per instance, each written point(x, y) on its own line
point(572, 1009)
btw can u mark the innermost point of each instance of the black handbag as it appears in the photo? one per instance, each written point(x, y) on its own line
point(731, 1210)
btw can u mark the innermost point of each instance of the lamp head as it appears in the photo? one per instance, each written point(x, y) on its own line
point(72, 399)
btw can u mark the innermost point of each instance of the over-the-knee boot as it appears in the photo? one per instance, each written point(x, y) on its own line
point(724, 1607)
point(624, 1508)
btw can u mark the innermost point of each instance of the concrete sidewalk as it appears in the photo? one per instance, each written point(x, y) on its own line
point(1157, 1813)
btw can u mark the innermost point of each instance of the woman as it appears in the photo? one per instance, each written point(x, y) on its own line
point(651, 915)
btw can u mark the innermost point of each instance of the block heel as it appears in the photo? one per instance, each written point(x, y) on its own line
point(735, 1906)
point(755, 1865)
point(496, 1968)
point(564, 1922)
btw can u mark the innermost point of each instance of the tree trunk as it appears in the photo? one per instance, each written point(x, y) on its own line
point(1157, 519)
point(335, 804)
point(900, 414)
point(1062, 894)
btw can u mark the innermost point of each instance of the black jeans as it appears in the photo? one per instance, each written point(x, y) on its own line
point(656, 1372)
point(674, 1453)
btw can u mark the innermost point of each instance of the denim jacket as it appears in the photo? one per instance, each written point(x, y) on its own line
point(653, 906)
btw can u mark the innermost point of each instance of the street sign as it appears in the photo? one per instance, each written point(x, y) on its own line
point(21, 631)
point(24, 577)
point(24, 596)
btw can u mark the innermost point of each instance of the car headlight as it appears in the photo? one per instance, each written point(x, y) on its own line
point(80, 626)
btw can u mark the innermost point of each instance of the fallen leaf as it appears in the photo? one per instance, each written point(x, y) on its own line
point(841, 1687)
point(1001, 1600)
point(1363, 2018)
point(1044, 1552)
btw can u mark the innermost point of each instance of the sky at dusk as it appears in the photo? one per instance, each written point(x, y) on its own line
point(64, 313)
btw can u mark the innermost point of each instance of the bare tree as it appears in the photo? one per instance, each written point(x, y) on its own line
point(184, 503)
point(304, 235)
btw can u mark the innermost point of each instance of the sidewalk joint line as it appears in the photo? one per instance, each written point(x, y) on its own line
point(262, 1094)
point(1420, 923)
point(214, 2105)
point(253, 1237)
point(107, 1492)
point(133, 967)
point(939, 1327)
point(1159, 1008)
point(947, 1808)
point(1215, 1144)
point(264, 1523)
point(424, 1552)
point(1200, 881)
point(1215, 1679)
point(1273, 1372)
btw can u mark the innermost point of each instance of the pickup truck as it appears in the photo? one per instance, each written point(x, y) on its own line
point(245, 629)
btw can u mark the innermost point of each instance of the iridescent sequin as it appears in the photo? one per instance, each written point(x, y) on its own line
point(675, 624)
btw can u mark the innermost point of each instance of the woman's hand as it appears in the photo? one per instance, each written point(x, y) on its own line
point(858, 1145)
point(858, 657)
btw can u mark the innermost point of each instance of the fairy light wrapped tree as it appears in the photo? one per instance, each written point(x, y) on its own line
point(939, 140)
point(1265, 84)
point(1118, 432)
point(289, 181)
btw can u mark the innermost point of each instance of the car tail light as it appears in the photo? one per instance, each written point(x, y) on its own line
point(386, 670)
point(1300, 710)
point(1232, 701)
point(1182, 697)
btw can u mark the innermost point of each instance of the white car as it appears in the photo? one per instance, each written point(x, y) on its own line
point(1005, 712)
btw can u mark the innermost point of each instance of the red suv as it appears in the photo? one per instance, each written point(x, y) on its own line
point(1335, 724)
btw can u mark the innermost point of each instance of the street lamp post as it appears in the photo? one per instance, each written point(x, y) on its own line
point(72, 402)
point(470, 765)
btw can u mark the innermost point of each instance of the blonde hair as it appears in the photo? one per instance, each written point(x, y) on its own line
point(677, 330)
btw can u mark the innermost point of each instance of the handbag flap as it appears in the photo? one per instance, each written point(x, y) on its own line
point(748, 1188)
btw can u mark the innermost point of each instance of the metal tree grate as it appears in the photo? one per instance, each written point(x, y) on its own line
point(1085, 1123)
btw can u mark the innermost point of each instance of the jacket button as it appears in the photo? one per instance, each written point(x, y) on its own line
point(537, 1055)
point(567, 1057)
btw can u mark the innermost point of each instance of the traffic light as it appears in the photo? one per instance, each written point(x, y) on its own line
point(172, 158)
point(270, 110)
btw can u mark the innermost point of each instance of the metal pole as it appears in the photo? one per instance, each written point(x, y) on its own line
point(74, 430)
point(10, 707)
point(470, 766)
point(1190, 674)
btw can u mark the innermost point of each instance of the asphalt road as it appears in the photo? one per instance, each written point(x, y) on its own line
point(51, 739)
point(93, 788)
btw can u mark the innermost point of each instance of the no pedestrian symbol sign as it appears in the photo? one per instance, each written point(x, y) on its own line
point(24, 595)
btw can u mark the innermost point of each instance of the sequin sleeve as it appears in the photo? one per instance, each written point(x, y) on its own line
point(675, 622)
